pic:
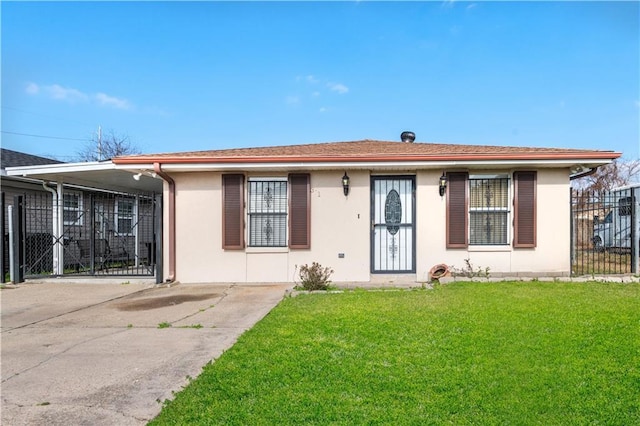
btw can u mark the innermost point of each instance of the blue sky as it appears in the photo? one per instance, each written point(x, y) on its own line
point(214, 75)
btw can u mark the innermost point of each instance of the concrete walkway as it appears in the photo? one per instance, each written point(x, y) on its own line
point(94, 354)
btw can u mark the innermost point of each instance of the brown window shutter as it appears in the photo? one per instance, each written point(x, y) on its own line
point(524, 202)
point(457, 210)
point(232, 212)
point(299, 211)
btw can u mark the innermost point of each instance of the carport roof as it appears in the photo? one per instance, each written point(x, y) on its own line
point(103, 175)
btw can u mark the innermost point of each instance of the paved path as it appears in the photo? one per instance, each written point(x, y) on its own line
point(94, 353)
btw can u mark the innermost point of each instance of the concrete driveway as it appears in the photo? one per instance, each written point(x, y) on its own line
point(94, 354)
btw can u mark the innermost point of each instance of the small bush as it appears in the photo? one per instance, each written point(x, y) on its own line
point(315, 277)
point(469, 271)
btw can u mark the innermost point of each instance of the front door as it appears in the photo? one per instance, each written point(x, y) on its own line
point(392, 224)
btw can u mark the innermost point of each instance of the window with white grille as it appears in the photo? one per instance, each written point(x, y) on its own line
point(488, 210)
point(72, 212)
point(267, 211)
point(125, 214)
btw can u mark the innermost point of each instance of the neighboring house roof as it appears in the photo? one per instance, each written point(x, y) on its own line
point(9, 158)
point(369, 150)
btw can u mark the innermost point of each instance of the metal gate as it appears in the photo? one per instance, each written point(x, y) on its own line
point(103, 233)
point(605, 235)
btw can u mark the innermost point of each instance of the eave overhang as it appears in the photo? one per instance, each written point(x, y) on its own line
point(199, 166)
point(371, 158)
point(117, 174)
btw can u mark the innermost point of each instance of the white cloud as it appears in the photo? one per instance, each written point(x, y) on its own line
point(310, 78)
point(338, 87)
point(69, 94)
point(310, 88)
point(32, 89)
point(447, 3)
point(55, 91)
point(106, 100)
point(471, 6)
point(322, 109)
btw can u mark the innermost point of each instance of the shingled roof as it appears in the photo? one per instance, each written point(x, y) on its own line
point(9, 158)
point(368, 150)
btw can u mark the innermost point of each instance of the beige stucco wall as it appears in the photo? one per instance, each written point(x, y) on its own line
point(199, 254)
point(552, 254)
point(341, 225)
point(549, 257)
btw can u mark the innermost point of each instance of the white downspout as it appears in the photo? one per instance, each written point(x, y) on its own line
point(56, 230)
point(60, 229)
point(11, 262)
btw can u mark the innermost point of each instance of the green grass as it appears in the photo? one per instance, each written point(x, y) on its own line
point(465, 353)
point(196, 326)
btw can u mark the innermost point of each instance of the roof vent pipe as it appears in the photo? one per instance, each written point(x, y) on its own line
point(407, 137)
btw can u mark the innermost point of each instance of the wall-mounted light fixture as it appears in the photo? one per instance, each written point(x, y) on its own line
point(345, 184)
point(442, 184)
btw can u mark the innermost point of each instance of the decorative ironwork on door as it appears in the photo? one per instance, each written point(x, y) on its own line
point(392, 224)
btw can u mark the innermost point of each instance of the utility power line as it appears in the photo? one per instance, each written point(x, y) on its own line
point(43, 136)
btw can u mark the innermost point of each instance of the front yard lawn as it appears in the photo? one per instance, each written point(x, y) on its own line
point(464, 353)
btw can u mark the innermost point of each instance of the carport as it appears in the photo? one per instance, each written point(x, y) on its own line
point(92, 218)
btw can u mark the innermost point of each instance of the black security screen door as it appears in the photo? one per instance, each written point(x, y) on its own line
point(392, 224)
